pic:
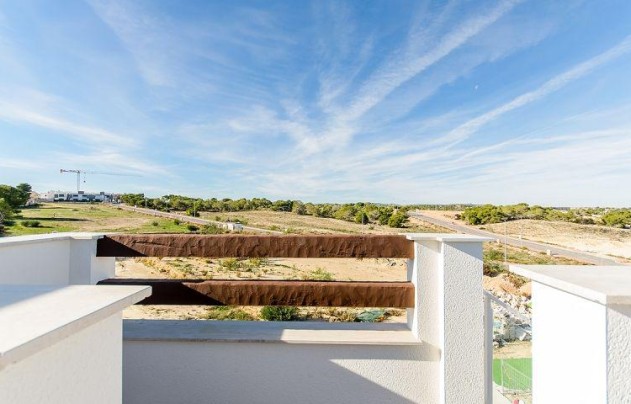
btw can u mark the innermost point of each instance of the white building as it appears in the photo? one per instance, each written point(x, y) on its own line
point(81, 196)
point(236, 227)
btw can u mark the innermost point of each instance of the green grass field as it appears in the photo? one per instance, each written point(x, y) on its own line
point(63, 217)
point(517, 373)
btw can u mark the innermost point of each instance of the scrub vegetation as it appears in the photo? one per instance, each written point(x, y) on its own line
point(489, 214)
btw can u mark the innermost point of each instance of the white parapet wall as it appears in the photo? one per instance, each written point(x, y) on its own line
point(62, 344)
point(581, 333)
point(239, 362)
point(53, 259)
point(437, 358)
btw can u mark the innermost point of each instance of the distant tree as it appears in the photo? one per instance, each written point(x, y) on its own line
point(484, 214)
point(362, 218)
point(24, 187)
point(133, 199)
point(16, 198)
point(617, 218)
point(299, 208)
point(6, 211)
point(283, 206)
point(398, 219)
point(346, 212)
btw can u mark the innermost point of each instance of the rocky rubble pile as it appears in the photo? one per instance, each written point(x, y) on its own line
point(511, 316)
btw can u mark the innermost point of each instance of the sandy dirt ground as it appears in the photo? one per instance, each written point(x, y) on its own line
point(442, 214)
point(508, 283)
point(292, 223)
point(594, 239)
point(312, 268)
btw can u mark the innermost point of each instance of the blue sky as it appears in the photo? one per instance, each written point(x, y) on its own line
point(391, 101)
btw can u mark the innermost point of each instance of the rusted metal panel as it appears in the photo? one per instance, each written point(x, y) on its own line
point(274, 292)
point(253, 246)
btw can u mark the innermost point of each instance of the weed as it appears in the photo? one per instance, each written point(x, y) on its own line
point(516, 280)
point(227, 313)
point(319, 274)
point(230, 264)
point(211, 229)
point(279, 313)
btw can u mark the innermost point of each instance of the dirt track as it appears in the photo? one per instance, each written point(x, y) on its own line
point(439, 218)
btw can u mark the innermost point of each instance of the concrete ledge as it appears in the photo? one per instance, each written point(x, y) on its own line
point(35, 317)
point(601, 284)
point(446, 237)
point(269, 332)
point(12, 241)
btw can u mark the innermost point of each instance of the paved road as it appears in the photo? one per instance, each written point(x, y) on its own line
point(190, 219)
point(516, 242)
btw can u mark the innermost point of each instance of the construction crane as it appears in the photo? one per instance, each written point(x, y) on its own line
point(84, 172)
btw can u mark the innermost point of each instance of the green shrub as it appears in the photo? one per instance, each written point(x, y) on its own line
point(155, 223)
point(177, 222)
point(617, 218)
point(31, 223)
point(397, 220)
point(192, 227)
point(484, 214)
point(492, 268)
point(192, 212)
point(231, 264)
point(279, 313)
point(211, 229)
point(494, 255)
point(228, 313)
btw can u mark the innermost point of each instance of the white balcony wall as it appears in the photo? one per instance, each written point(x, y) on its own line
point(438, 357)
point(444, 365)
point(54, 259)
point(581, 333)
point(63, 344)
point(82, 368)
point(203, 372)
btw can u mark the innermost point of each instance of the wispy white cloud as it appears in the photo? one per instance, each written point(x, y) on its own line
point(20, 114)
point(18, 164)
point(114, 161)
point(465, 130)
point(401, 69)
point(404, 64)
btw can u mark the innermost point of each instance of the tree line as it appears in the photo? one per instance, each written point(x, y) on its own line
point(361, 212)
point(488, 214)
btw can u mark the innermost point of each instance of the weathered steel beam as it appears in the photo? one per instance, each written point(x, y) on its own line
point(255, 246)
point(273, 292)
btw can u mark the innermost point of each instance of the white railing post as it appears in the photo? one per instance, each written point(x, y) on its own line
point(449, 311)
point(85, 268)
point(53, 259)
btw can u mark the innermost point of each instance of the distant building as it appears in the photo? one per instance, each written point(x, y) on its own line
point(236, 227)
point(81, 196)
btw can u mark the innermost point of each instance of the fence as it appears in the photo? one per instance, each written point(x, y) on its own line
point(265, 292)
